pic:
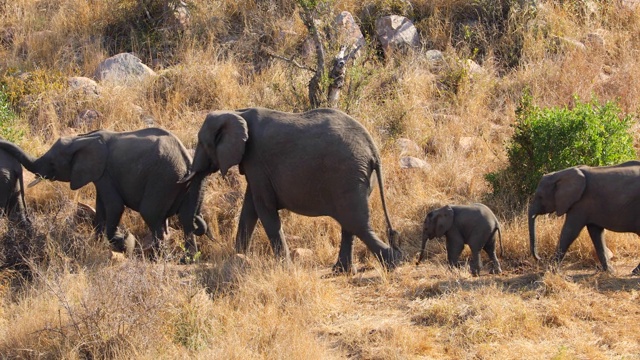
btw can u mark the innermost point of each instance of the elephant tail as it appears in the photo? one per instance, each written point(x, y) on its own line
point(497, 229)
point(393, 235)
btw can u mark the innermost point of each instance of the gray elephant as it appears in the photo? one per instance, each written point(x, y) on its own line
point(12, 202)
point(316, 163)
point(599, 198)
point(474, 225)
point(138, 169)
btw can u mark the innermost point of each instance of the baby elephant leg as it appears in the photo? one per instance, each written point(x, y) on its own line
point(490, 249)
point(455, 246)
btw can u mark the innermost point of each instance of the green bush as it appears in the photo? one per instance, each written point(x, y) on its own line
point(551, 139)
point(8, 119)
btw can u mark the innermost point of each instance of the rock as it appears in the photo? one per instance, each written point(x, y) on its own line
point(349, 33)
point(594, 40)
point(84, 85)
point(122, 68)
point(396, 33)
point(410, 162)
point(302, 255)
point(473, 69)
point(466, 143)
point(84, 213)
point(87, 118)
point(436, 60)
point(407, 146)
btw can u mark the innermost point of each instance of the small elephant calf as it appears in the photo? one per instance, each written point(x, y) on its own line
point(475, 225)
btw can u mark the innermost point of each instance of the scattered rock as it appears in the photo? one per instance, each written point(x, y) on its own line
point(594, 40)
point(396, 33)
point(87, 118)
point(85, 85)
point(122, 68)
point(84, 213)
point(410, 162)
point(408, 146)
point(473, 69)
point(436, 60)
point(349, 33)
point(302, 255)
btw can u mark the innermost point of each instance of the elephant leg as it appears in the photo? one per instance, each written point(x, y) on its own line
point(568, 235)
point(273, 227)
point(476, 262)
point(455, 245)
point(345, 256)
point(247, 223)
point(490, 249)
point(99, 218)
point(597, 237)
point(113, 209)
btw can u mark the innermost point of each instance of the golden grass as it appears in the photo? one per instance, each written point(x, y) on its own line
point(74, 300)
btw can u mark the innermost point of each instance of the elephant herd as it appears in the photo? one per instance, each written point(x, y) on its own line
point(316, 163)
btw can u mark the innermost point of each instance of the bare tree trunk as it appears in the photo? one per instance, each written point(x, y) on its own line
point(314, 84)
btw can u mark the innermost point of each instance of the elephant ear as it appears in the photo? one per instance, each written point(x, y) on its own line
point(89, 160)
point(231, 133)
point(569, 186)
point(444, 220)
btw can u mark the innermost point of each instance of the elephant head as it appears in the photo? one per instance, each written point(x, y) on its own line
point(221, 144)
point(556, 192)
point(436, 224)
point(78, 160)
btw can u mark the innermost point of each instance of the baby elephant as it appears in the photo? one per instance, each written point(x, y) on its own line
point(475, 225)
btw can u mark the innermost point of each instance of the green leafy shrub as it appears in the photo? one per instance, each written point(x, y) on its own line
point(8, 119)
point(551, 139)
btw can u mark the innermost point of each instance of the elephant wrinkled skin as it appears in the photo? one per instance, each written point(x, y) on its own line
point(12, 202)
point(137, 169)
point(599, 198)
point(317, 163)
point(475, 225)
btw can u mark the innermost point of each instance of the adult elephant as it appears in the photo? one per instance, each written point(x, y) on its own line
point(317, 163)
point(12, 202)
point(138, 169)
point(599, 198)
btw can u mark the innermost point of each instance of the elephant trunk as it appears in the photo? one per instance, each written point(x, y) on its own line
point(424, 245)
point(25, 159)
point(532, 232)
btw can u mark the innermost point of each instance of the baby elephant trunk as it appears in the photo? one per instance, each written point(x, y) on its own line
point(424, 246)
point(532, 233)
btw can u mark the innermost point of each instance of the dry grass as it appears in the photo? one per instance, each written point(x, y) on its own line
point(67, 297)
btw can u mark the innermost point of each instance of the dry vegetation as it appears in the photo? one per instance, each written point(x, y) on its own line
point(72, 301)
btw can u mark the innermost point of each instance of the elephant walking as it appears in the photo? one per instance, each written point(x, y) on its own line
point(12, 202)
point(317, 163)
point(474, 225)
point(138, 169)
point(599, 198)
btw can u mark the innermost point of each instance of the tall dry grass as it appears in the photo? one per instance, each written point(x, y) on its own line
point(67, 297)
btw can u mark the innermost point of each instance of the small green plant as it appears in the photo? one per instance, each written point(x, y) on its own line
point(8, 119)
point(551, 139)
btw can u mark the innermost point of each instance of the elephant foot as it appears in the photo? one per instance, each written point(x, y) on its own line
point(392, 258)
point(495, 271)
point(341, 269)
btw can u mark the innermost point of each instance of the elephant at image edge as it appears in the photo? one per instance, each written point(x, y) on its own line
point(138, 169)
point(599, 198)
point(317, 163)
point(12, 201)
point(475, 225)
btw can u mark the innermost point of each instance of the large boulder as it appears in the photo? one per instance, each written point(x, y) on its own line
point(396, 33)
point(122, 68)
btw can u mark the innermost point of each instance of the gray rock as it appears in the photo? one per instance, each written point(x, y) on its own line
point(87, 119)
point(85, 85)
point(410, 162)
point(122, 68)
point(407, 146)
point(349, 33)
point(395, 33)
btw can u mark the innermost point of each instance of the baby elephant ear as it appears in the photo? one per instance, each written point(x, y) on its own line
point(89, 159)
point(444, 220)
